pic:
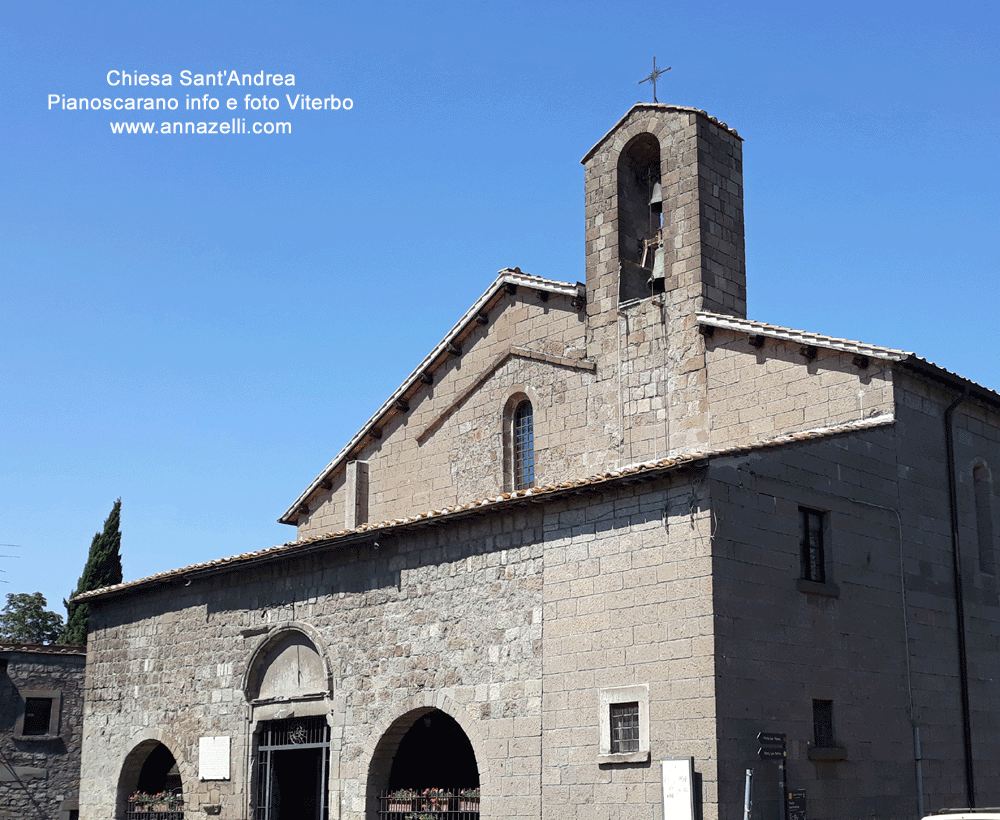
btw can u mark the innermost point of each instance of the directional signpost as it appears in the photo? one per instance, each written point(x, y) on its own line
point(772, 747)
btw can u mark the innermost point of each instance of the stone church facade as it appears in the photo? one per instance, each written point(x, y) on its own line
point(601, 525)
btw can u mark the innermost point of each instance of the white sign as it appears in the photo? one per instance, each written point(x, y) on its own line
point(213, 758)
point(678, 788)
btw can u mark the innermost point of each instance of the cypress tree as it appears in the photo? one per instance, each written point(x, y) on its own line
point(103, 569)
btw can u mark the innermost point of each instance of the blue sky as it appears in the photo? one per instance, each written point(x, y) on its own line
point(197, 324)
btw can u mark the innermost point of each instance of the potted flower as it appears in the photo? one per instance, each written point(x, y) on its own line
point(435, 800)
point(469, 799)
point(143, 803)
point(402, 800)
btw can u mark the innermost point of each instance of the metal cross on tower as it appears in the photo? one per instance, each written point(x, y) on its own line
point(656, 72)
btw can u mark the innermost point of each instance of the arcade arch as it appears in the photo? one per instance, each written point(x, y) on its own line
point(148, 770)
point(424, 762)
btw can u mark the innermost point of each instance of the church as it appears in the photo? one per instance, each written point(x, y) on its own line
point(612, 551)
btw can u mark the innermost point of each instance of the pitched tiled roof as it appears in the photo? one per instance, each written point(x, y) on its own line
point(658, 107)
point(637, 472)
point(43, 649)
point(804, 337)
point(508, 276)
point(801, 337)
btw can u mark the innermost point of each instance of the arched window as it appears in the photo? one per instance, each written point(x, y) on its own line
point(983, 489)
point(642, 244)
point(523, 440)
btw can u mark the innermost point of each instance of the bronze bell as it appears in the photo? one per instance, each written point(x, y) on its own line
point(658, 278)
point(656, 200)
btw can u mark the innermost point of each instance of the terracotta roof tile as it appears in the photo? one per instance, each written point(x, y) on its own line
point(845, 345)
point(43, 649)
point(639, 471)
point(799, 336)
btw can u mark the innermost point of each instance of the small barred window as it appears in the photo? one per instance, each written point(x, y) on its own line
point(823, 724)
point(624, 727)
point(811, 545)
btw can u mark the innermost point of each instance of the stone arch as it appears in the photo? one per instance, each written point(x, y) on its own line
point(639, 219)
point(387, 736)
point(290, 662)
point(288, 683)
point(145, 764)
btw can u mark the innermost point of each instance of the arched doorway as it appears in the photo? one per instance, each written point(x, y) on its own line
point(287, 686)
point(427, 767)
point(150, 781)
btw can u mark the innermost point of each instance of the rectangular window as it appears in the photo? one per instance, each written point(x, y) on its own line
point(37, 716)
point(623, 724)
point(40, 718)
point(811, 545)
point(624, 727)
point(823, 724)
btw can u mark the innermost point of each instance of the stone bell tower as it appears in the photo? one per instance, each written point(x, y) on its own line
point(666, 180)
point(664, 240)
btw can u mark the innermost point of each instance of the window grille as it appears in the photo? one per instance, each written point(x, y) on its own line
point(276, 736)
point(811, 543)
point(524, 446)
point(823, 724)
point(163, 806)
point(624, 727)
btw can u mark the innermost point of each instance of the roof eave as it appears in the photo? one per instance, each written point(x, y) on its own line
point(903, 358)
point(952, 380)
point(662, 107)
point(367, 534)
point(371, 532)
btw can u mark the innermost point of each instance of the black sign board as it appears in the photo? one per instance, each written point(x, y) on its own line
point(797, 804)
point(771, 739)
point(772, 746)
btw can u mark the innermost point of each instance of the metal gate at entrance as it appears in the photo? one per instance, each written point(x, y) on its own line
point(293, 762)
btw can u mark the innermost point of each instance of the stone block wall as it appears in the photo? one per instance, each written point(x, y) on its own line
point(444, 618)
point(922, 466)
point(40, 775)
point(878, 640)
point(756, 393)
point(627, 607)
point(782, 644)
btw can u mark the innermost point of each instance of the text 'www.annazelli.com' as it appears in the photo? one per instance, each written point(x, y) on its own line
point(237, 125)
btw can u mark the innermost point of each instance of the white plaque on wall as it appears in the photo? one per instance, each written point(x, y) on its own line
point(213, 758)
point(678, 788)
